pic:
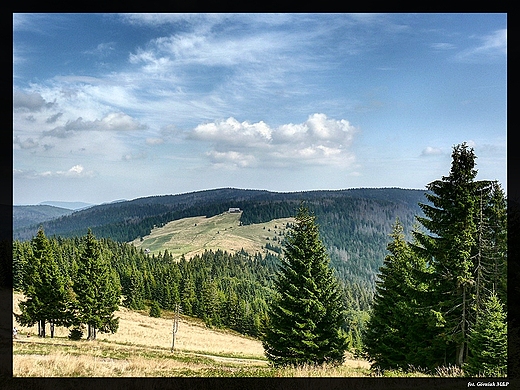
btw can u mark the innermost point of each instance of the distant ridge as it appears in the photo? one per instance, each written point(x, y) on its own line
point(354, 223)
point(26, 216)
point(67, 205)
point(127, 220)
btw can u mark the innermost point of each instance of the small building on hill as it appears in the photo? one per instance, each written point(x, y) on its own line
point(234, 210)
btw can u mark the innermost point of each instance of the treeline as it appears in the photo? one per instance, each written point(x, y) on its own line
point(225, 290)
point(221, 288)
point(440, 296)
point(66, 285)
point(354, 224)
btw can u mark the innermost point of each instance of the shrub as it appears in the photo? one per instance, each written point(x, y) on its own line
point(155, 310)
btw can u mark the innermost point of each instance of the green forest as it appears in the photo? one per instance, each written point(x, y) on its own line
point(419, 286)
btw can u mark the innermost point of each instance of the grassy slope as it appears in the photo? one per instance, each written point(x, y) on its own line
point(190, 236)
point(142, 347)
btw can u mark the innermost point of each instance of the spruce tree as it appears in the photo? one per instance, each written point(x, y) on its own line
point(398, 331)
point(155, 310)
point(490, 256)
point(488, 341)
point(46, 289)
point(449, 246)
point(97, 289)
point(306, 315)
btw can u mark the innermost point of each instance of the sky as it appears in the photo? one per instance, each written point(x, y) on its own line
point(122, 106)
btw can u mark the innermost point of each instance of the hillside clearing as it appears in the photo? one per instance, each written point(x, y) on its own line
point(194, 235)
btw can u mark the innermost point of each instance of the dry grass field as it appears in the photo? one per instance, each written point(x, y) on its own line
point(190, 236)
point(142, 348)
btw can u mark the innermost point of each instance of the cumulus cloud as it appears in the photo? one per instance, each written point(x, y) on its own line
point(232, 132)
point(115, 121)
point(319, 140)
point(231, 159)
point(31, 102)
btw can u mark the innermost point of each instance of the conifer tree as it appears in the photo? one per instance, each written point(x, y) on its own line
point(47, 292)
point(490, 256)
point(488, 341)
point(97, 289)
point(155, 310)
point(450, 220)
point(307, 314)
point(398, 330)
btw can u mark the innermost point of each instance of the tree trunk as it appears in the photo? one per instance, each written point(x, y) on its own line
point(91, 332)
point(460, 357)
point(42, 328)
point(52, 330)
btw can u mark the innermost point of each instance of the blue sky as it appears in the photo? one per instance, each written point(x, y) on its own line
point(120, 106)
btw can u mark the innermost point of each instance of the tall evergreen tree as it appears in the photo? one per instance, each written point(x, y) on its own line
point(47, 292)
point(450, 220)
point(97, 289)
point(488, 341)
point(306, 315)
point(398, 332)
point(490, 256)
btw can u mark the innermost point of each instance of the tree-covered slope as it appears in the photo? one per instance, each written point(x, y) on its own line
point(354, 224)
point(125, 221)
point(25, 216)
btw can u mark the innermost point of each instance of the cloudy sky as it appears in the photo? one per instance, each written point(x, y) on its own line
point(120, 106)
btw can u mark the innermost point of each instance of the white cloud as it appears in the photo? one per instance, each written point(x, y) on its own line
point(232, 132)
point(154, 141)
point(431, 151)
point(102, 49)
point(231, 159)
point(77, 171)
point(319, 140)
point(115, 121)
point(443, 46)
point(491, 46)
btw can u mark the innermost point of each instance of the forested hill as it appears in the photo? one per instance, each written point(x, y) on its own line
point(26, 216)
point(127, 220)
point(354, 224)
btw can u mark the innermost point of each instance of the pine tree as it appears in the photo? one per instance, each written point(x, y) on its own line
point(306, 315)
point(155, 310)
point(450, 219)
point(97, 289)
point(47, 292)
point(398, 329)
point(488, 341)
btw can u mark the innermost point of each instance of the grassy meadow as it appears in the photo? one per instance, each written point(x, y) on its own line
point(142, 348)
point(190, 236)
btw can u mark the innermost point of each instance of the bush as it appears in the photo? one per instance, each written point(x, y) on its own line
point(155, 310)
point(76, 333)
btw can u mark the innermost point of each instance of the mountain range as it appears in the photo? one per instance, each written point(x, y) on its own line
point(354, 223)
